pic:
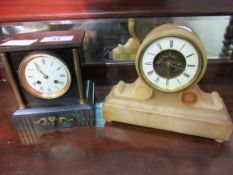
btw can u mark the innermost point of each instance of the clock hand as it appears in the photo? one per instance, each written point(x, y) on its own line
point(39, 70)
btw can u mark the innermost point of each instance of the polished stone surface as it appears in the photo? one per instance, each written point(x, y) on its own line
point(112, 148)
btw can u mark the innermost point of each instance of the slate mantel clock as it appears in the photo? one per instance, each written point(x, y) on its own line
point(44, 70)
point(170, 62)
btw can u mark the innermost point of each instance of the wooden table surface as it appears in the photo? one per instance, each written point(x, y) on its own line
point(112, 149)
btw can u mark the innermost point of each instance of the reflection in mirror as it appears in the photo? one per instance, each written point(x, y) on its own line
point(110, 40)
point(211, 30)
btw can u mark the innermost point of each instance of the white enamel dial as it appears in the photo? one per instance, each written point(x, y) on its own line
point(44, 75)
point(170, 64)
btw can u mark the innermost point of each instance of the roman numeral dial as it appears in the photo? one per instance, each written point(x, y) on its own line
point(44, 75)
point(170, 63)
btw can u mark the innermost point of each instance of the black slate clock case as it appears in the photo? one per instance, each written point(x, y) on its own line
point(69, 98)
point(36, 115)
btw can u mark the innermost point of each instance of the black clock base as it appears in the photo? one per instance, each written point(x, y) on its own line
point(32, 123)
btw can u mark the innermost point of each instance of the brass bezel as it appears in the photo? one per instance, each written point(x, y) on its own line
point(185, 86)
point(27, 86)
point(171, 30)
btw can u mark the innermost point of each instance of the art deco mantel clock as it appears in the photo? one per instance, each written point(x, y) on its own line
point(170, 62)
point(44, 70)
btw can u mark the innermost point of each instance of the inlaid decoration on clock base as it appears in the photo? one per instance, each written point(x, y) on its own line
point(45, 73)
point(170, 62)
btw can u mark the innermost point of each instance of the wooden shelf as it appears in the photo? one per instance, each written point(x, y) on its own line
point(114, 148)
point(28, 10)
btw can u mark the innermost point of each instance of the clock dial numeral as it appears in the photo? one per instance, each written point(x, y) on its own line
point(186, 75)
point(60, 82)
point(178, 81)
point(182, 47)
point(157, 80)
point(189, 55)
point(41, 88)
point(35, 64)
point(62, 75)
point(148, 63)
point(49, 89)
point(150, 72)
point(43, 60)
point(167, 82)
point(30, 76)
point(51, 63)
point(171, 43)
point(191, 65)
point(58, 68)
point(150, 53)
point(34, 83)
point(159, 46)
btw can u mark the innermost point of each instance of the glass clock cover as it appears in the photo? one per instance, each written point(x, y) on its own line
point(44, 75)
point(170, 63)
point(171, 58)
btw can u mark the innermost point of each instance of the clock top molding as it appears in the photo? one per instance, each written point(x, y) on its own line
point(28, 10)
point(75, 39)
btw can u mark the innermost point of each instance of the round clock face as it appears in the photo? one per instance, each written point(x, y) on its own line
point(170, 64)
point(44, 75)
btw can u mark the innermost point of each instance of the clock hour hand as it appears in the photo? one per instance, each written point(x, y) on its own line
point(39, 70)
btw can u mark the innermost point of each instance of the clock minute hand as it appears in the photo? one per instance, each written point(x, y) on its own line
point(39, 70)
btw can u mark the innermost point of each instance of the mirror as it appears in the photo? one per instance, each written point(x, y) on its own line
point(103, 35)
